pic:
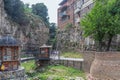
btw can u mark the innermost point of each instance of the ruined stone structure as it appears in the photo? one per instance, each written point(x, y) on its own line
point(10, 59)
point(106, 66)
point(38, 32)
point(13, 75)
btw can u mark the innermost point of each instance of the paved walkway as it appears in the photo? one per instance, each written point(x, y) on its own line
point(62, 58)
point(27, 59)
point(54, 58)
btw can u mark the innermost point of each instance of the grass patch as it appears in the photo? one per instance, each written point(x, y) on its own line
point(64, 71)
point(29, 65)
point(71, 55)
point(55, 72)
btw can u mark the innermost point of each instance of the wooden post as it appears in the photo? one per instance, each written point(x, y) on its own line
point(67, 62)
point(73, 63)
point(64, 62)
point(80, 65)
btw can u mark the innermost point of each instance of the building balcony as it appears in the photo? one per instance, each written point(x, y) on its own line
point(64, 8)
point(63, 2)
point(77, 20)
point(87, 4)
point(77, 10)
point(63, 14)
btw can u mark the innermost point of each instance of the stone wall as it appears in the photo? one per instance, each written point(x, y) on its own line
point(69, 12)
point(13, 75)
point(106, 66)
point(88, 57)
point(69, 63)
point(36, 29)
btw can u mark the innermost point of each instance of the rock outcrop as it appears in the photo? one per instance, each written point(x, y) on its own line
point(36, 29)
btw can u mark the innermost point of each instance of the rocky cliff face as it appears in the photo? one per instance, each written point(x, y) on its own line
point(36, 30)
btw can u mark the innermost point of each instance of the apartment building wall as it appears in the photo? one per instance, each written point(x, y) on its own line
point(72, 11)
point(65, 13)
point(76, 9)
point(81, 8)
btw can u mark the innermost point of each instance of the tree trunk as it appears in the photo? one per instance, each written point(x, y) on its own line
point(109, 43)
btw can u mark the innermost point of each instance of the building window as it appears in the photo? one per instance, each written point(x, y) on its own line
point(7, 55)
point(65, 18)
point(68, 16)
point(86, 1)
point(15, 54)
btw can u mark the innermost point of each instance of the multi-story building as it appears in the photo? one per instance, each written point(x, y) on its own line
point(65, 13)
point(72, 11)
point(82, 7)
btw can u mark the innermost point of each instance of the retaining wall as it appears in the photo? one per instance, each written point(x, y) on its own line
point(88, 57)
point(69, 63)
point(13, 75)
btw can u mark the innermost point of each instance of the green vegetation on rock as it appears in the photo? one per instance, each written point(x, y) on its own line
point(19, 12)
point(16, 12)
point(41, 10)
point(52, 33)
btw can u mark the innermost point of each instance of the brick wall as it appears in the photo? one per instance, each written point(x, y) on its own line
point(106, 66)
point(88, 57)
point(69, 12)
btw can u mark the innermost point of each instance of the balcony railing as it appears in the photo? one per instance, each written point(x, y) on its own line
point(77, 20)
point(77, 10)
point(63, 8)
point(63, 14)
point(87, 4)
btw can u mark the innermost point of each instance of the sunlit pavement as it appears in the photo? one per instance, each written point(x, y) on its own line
point(63, 58)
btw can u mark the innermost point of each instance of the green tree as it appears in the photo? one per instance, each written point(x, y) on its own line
point(41, 10)
point(52, 33)
point(103, 22)
point(52, 29)
point(27, 8)
point(15, 9)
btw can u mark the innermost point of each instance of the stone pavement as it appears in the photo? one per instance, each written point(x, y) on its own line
point(62, 58)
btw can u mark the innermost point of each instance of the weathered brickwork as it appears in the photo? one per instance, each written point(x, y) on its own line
point(65, 13)
point(106, 66)
point(88, 57)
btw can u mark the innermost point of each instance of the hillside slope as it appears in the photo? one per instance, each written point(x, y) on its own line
point(36, 29)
